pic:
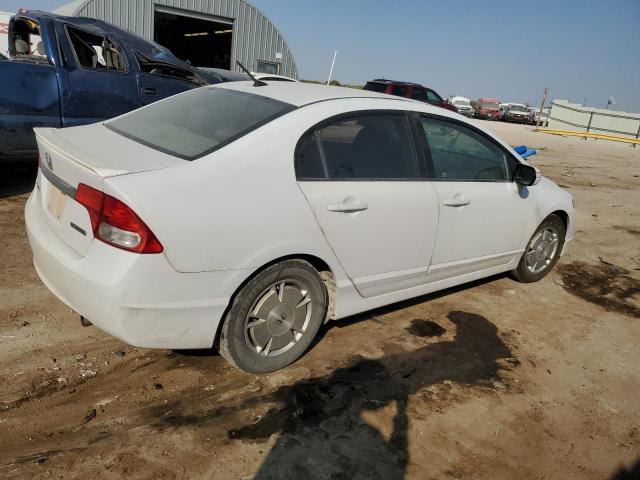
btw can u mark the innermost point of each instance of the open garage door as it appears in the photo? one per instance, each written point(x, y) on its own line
point(202, 42)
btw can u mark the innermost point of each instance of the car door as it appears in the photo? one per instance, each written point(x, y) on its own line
point(483, 214)
point(100, 83)
point(361, 178)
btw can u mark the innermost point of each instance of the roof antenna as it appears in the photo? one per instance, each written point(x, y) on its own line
point(256, 82)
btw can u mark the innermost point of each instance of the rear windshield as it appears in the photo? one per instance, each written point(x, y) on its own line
point(198, 122)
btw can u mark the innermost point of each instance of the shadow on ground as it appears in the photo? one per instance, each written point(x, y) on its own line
point(17, 178)
point(324, 425)
point(631, 473)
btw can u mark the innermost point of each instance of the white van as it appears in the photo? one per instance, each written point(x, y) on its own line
point(463, 105)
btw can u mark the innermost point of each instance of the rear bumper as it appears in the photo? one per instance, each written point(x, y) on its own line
point(139, 299)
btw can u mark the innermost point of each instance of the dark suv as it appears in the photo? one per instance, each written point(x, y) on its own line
point(408, 90)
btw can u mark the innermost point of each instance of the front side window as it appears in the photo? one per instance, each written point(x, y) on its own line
point(433, 97)
point(460, 153)
point(199, 121)
point(363, 147)
point(95, 52)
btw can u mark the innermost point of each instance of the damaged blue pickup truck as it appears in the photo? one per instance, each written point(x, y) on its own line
point(67, 71)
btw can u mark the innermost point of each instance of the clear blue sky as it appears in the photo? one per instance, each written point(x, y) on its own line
point(501, 48)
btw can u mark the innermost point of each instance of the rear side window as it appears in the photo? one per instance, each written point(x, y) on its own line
point(198, 122)
point(364, 147)
point(375, 87)
point(460, 153)
point(27, 44)
point(419, 94)
point(399, 91)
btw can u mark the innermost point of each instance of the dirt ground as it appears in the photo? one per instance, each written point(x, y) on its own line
point(492, 380)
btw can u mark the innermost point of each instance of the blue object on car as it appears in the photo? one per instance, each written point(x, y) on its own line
point(525, 152)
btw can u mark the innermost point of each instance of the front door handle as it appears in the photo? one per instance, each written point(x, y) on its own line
point(347, 206)
point(150, 91)
point(457, 201)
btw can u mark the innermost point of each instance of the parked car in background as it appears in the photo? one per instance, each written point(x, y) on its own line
point(535, 114)
point(514, 112)
point(462, 104)
point(67, 71)
point(414, 91)
point(159, 226)
point(487, 108)
point(269, 77)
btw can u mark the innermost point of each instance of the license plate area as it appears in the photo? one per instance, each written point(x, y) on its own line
point(56, 201)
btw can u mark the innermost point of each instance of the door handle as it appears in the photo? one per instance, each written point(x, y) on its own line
point(151, 91)
point(456, 201)
point(349, 206)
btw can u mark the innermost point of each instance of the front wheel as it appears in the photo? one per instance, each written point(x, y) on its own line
point(542, 252)
point(274, 318)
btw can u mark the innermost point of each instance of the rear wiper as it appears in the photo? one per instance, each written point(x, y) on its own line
point(256, 82)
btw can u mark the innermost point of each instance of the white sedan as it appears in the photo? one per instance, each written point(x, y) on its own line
point(244, 217)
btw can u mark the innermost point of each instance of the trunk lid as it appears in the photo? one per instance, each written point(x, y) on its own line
point(88, 155)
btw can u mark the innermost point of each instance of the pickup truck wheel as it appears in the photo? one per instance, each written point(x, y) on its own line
point(542, 251)
point(274, 318)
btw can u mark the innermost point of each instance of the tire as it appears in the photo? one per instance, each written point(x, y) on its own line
point(273, 305)
point(542, 251)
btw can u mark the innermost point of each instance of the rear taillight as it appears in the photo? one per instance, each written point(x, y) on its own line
point(115, 223)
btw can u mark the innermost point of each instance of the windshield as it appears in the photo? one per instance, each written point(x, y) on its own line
point(198, 122)
point(462, 103)
point(519, 108)
point(489, 105)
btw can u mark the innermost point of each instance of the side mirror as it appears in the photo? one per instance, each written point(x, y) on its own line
point(526, 175)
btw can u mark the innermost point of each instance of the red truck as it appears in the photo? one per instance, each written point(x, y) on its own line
point(408, 90)
point(487, 108)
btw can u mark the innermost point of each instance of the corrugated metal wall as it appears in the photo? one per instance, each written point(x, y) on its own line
point(254, 38)
point(572, 116)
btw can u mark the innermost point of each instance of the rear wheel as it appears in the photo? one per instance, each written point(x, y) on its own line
point(542, 252)
point(274, 318)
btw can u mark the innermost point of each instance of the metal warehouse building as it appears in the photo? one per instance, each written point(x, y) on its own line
point(208, 33)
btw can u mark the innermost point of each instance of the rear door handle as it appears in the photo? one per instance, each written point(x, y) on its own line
point(349, 206)
point(151, 91)
point(457, 201)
